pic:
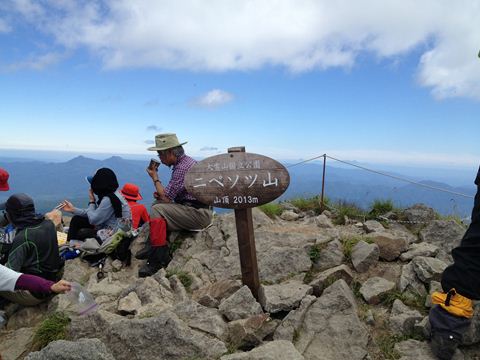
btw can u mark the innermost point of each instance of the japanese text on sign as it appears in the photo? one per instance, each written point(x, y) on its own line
point(233, 165)
point(231, 182)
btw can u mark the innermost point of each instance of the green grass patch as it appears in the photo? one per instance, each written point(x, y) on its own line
point(306, 204)
point(309, 275)
point(185, 278)
point(345, 209)
point(380, 207)
point(315, 250)
point(176, 244)
point(386, 344)
point(53, 328)
point(272, 210)
point(455, 218)
point(355, 285)
point(415, 301)
point(267, 282)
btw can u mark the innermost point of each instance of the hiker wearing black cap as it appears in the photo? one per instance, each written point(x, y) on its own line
point(104, 216)
point(34, 250)
point(451, 315)
point(175, 209)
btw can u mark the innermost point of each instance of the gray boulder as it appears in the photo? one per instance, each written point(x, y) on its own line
point(422, 328)
point(289, 215)
point(278, 262)
point(420, 249)
point(273, 350)
point(364, 255)
point(373, 289)
point(162, 337)
point(324, 222)
point(331, 256)
point(329, 276)
point(290, 206)
point(13, 344)
point(428, 269)
point(129, 304)
point(240, 305)
point(92, 349)
point(292, 322)
point(202, 318)
point(410, 282)
point(247, 333)
point(402, 318)
point(445, 234)
point(218, 291)
point(416, 350)
point(419, 213)
point(283, 297)
point(373, 226)
point(331, 329)
point(389, 245)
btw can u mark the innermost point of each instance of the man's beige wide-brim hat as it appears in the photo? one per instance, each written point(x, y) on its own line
point(165, 141)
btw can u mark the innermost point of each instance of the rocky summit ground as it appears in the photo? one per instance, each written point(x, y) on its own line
point(357, 291)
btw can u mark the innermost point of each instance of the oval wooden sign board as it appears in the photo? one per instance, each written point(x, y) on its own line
point(237, 180)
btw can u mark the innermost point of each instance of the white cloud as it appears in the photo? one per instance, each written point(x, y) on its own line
point(214, 98)
point(300, 35)
point(37, 62)
point(153, 128)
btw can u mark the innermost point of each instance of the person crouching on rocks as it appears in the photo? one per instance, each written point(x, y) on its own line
point(104, 216)
point(451, 314)
point(34, 249)
point(139, 212)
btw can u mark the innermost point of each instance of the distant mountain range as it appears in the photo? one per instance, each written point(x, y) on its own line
point(50, 182)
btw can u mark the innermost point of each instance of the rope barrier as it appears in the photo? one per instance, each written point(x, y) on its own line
point(305, 161)
point(385, 174)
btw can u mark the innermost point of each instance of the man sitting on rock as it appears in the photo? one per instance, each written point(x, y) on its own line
point(175, 209)
point(34, 250)
point(451, 316)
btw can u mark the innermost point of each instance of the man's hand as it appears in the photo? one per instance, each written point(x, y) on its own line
point(152, 173)
point(61, 287)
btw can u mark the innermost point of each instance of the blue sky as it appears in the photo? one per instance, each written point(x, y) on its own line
point(287, 79)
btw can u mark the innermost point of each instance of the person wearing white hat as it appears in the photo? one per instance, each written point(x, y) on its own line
point(175, 209)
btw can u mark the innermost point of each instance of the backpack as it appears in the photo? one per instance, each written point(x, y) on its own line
point(116, 246)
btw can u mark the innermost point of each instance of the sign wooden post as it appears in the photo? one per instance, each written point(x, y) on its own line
point(239, 180)
point(246, 244)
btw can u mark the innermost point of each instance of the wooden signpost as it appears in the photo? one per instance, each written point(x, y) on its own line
point(240, 181)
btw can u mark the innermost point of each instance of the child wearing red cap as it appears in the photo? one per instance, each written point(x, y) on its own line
point(139, 212)
point(4, 180)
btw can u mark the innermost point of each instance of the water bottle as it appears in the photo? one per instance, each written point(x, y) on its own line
point(82, 300)
point(70, 254)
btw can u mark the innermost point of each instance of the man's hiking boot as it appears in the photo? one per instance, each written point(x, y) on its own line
point(143, 253)
point(158, 258)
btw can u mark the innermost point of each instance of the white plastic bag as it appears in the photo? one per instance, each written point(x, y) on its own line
point(81, 299)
